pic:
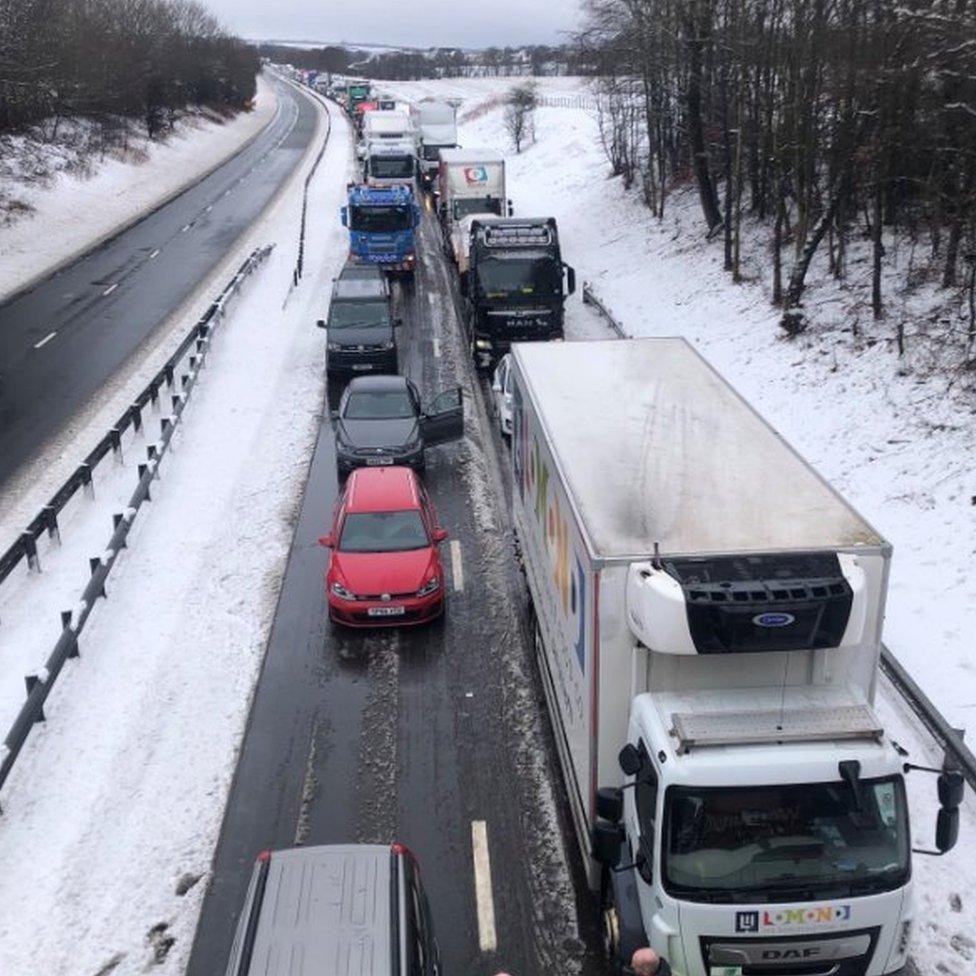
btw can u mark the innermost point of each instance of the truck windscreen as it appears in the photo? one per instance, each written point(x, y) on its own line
point(477, 205)
point(391, 167)
point(379, 219)
point(430, 153)
point(511, 277)
point(785, 842)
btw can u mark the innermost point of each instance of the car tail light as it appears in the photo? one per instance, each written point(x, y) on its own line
point(402, 849)
point(263, 857)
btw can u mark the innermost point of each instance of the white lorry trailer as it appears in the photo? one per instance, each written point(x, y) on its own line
point(436, 123)
point(471, 183)
point(708, 624)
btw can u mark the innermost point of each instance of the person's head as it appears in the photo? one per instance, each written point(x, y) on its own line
point(645, 962)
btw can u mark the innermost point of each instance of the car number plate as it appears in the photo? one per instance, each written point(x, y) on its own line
point(362, 366)
point(373, 462)
point(385, 611)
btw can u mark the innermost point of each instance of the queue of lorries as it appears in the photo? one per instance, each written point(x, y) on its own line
point(707, 617)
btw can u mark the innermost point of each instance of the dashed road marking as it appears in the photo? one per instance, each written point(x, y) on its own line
point(184, 228)
point(45, 340)
point(209, 208)
point(487, 938)
point(431, 298)
point(154, 254)
point(437, 347)
point(110, 289)
point(457, 570)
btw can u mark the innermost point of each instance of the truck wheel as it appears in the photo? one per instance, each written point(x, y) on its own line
point(610, 926)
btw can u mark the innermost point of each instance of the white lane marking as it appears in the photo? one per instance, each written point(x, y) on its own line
point(457, 570)
point(431, 298)
point(45, 340)
point(437, 347)
point(154, 254)
point(184, 228)
point(487, 939)
point(110, 289)
point(211, 205)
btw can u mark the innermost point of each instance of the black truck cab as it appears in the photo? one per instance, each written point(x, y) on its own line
point(515, 285)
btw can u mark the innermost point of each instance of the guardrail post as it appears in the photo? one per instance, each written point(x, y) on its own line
point(31, 680)
point(94, 563)
point(168, 372)
point(30, 551)
point(66, 616)
point(115, 435)
point(143, 468)
point(84, 472)
point(51, 523)
point(135, 411)
point(116, 522)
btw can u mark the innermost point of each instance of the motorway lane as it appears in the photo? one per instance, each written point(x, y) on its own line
point(411, 735)
point(65, 337)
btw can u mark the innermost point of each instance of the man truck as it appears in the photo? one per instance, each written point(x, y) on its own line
point(515, 285)
point(708, 617)
point(382, 224)
point(437, 126)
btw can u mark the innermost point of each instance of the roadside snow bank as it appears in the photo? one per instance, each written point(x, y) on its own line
point(69, 215)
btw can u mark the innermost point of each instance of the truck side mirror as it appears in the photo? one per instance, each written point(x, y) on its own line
point(610, 804)
point(947, 829)
point(320, 323)
point(570, 280)
point(511, 208)
point(344, 213)
point(606, 840)
point(630, 760)
point(951, 786)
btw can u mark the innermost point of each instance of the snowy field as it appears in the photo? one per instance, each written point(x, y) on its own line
point(113, 810)
point(71, 213)
point(895, 445)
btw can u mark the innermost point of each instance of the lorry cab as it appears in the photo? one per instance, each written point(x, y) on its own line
point(343, 908)
point(382, 223)
point(390, 162)
point(515, 283)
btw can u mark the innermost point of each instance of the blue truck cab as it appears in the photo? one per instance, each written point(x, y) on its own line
point(382, 222)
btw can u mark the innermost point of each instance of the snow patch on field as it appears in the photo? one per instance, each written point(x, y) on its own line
point(113, 810)
point(60, 206)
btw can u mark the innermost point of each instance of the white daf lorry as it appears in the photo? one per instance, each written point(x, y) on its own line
point(471, 183)
point(708, 617)
point(436, 123)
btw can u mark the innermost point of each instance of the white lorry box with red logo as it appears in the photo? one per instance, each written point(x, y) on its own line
point(708, 615)
point(471, 183)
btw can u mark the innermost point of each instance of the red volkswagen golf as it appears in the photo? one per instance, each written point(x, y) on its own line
point(385, 566)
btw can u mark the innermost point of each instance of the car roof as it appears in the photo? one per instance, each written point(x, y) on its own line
point(362, 271)
point(359, 289)
point(326, 910)
point(386, 489)
point(376, 384)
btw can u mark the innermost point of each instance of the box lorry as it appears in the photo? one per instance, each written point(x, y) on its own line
point(515, 285)
point(436, 124)
point(708, 617)
point(382, 224)
point(471, 183)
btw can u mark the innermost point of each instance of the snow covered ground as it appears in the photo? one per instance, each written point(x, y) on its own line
point(886, 436)
point(116, 802)
point(70, 213)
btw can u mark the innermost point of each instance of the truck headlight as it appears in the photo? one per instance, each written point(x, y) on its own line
point(340, 591)
point(429, 587)
point(482, 344)
point(389, 344)
point(333, 346)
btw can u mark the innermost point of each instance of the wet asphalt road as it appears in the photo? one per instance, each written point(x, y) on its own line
point(411, 734)
point(104, 306)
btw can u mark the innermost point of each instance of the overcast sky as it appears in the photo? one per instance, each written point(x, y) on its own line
point(419, 24)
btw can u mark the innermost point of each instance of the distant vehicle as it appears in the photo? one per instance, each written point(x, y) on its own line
point(471, 182)
point(360, 324)
point(380, 421)
point(356, 92)
point(437, 125)
point(708, 615)
point(390, 162)
point(382, 222)
point(338, 902)
point(501, 394)
point(515, 285)
point(385, 565)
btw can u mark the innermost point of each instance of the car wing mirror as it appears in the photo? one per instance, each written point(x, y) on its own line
point(398, 321)
point(326, 540)
point(440, 534)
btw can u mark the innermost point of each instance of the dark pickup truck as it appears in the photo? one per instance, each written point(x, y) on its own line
point(515, 285)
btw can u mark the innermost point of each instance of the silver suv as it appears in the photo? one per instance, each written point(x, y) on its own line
point(338, 910)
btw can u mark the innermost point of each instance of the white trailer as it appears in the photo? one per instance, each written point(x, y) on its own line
point(436, 123)
point(471, 183)
point(708, 625)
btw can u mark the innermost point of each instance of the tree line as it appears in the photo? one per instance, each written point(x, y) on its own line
point(140, 59)
point(825, 120)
